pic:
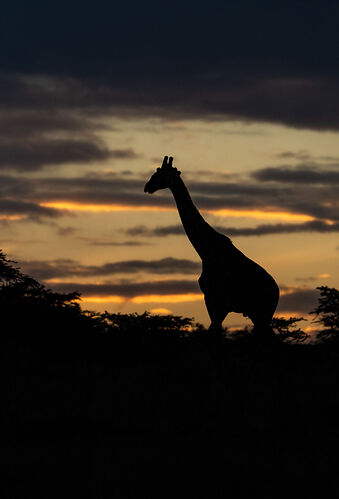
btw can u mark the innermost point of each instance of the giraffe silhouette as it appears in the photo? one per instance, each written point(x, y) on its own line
point(230, 281)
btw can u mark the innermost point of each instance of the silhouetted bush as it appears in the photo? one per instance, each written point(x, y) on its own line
point(147, 322)
point(28, 305)
point(18, 288)
point(288, 331)
point(327, 313)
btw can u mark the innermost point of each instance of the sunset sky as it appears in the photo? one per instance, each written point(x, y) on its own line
point(244, 95)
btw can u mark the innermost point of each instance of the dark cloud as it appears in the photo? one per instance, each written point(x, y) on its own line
point(299, 300)
point(303, 174)
point(131, 289)
point(293, 101)
point(126, 172)
point(16, 199)
point(119, 243)
point(142, 230)
point(32, 123)
point(66, 268)
point(316, 200)
point(226, 188)
point(266, 229)
point(33, 139)
point(34, 155)
point(101, 183)
point(67, 231)
point(295, 155)
point(235, 60)
point(304, 156)
point(259, 230)
point(124, 154)
point(10, 207)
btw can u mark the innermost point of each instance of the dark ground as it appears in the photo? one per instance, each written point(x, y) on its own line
point(128, 415)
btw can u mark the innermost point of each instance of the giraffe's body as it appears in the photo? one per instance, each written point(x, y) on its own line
point(230, 281)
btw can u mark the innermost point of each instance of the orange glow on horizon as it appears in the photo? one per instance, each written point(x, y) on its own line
point(288, 315)
point(97, 208)
point(312, 330)
point(12, 217)
point(270, 215)
point(168, 298)
point(290, 290)
point(103, 299)
point(144, 299)
point(229, 212)
point(161, 310)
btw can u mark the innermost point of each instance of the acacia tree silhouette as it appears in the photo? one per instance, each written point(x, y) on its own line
point(327, 313)
point(27, 304)
point(230, 281)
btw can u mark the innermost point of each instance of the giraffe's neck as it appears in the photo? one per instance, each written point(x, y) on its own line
point(198, 231)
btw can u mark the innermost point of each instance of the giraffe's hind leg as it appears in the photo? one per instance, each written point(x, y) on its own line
point(263, 330)
point(217, 313)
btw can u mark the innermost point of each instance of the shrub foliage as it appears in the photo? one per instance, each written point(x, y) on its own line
point(24, 301)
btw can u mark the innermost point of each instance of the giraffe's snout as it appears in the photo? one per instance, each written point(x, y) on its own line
point(148, 188)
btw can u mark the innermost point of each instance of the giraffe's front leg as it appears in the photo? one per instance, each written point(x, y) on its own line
point(216, 311)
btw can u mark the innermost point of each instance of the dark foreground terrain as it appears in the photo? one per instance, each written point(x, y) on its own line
point(165, 415)
point(129, 406)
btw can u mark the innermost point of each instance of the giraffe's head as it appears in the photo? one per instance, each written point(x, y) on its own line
point(163, 177)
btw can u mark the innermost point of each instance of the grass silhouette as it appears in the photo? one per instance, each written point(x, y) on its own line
point(123, 405)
